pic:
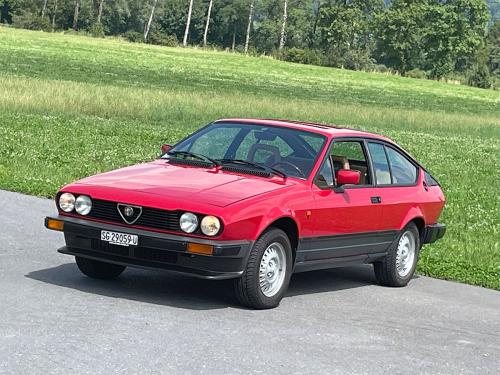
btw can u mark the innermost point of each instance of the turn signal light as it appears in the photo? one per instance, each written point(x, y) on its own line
point(54, 224)
point(198, 248)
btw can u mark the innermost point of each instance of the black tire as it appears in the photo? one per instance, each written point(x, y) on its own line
point(99, 270)
point(386, 270)
point(247, 287)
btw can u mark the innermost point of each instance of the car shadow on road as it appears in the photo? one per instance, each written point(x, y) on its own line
point(190, 293)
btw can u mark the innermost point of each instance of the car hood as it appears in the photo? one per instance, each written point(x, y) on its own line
point(184, 183)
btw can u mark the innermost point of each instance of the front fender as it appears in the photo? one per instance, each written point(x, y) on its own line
point(249, 219)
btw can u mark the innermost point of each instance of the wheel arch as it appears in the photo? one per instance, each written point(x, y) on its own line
point(288, 225)
point(420, 223)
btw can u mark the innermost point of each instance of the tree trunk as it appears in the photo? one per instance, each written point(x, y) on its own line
point(233, 45)
point(44, 9)
point(54, 16)
point(99, 13)
point(250, 19)
point(207, 24)
point(188, 23)
point(148, 25)
point(75, 17)
point(283, 27)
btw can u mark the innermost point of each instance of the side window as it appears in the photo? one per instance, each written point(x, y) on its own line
point(325, 176)
point(403, 171)
point(350, 155)
point(344, 155)
point(215, 142)
point(380, 164)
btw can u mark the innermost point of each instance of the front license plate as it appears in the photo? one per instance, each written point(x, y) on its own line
point(122, 239)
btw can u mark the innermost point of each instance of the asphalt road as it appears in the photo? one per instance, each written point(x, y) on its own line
point(55, 320)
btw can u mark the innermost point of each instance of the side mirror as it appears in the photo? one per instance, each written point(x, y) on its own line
point(165, 148)
point(348, 177)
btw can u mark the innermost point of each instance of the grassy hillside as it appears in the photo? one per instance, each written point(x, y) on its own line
point(72, 106)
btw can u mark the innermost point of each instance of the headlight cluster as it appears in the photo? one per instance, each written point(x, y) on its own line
point(210, 225)
point(82, 204)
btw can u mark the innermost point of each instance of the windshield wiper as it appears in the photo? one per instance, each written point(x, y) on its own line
point(194, 156)
point(254, 165)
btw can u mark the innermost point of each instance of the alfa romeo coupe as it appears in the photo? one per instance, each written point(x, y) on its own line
point(256, 200)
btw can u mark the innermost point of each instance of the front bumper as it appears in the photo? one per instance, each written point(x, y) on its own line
point(155, 250)
point(434, 232)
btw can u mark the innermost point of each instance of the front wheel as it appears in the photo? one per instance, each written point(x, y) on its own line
point(399, 265)
point(99, 270)
point(268, 271)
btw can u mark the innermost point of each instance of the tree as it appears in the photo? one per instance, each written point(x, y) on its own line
point(188, 23)
point(250, 19)
point(75, 17)
point(283, 27)
point(455, 30)
point(207, 23)
point(44, 8)
point(150, 20)
point(54, 16)
point(99, 12)
point(344, 31)
point(494, 49)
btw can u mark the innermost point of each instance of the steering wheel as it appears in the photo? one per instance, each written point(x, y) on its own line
point(288, 164)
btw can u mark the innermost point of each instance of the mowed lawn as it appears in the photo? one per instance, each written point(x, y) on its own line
point(73, 106)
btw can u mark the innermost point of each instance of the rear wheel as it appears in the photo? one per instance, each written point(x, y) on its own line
point(99, 270)
point(268, 271)
point(399, 265)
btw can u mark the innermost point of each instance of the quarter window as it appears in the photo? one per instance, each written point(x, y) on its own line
point(403, 172)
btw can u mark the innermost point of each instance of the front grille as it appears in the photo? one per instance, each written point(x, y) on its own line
point(109, 248)
point(155, 255)
point(150, 217)
point(139, 252)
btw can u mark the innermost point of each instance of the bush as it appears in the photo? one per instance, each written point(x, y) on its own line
point(302, 56)
point(161, 39)
point(97, 30)
point(358, 59)
point(134, 36)
point(381, 68)
point(30, 21)
point(416, 73)
point(480, 77)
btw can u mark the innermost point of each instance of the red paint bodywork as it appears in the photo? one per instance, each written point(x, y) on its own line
point(248, 204)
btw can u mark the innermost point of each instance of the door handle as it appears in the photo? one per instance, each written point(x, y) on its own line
point(376, 200)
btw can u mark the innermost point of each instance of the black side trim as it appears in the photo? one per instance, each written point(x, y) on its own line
point(348, 245)
point(434, 232)
point(338, 262)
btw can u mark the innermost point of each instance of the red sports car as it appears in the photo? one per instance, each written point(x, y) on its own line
point(256, 200)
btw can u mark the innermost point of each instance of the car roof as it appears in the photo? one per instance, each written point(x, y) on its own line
point(330, 131)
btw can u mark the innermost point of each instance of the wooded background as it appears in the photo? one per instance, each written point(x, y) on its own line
point(453, 39)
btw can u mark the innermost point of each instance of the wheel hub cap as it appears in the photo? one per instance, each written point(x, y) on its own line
point(272, 269)
point(405, 255)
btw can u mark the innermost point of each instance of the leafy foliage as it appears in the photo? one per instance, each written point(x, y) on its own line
point(439, 37)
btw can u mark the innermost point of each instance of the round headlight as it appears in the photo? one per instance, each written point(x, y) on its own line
point(83, 205)
point(210, 225)
point(67, 202)
point(188, 222)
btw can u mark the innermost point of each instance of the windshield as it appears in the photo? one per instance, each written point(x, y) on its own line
point(290, 151)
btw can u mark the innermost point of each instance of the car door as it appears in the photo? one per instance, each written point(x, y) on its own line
point(347, 219)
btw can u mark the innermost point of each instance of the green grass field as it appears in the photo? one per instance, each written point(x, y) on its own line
point(73, 106)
